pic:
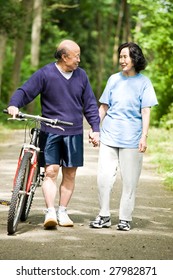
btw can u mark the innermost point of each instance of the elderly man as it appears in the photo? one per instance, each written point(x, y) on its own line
point(66, 94)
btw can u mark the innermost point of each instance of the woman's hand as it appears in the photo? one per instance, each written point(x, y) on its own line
point(94, 138)
point(143, 144)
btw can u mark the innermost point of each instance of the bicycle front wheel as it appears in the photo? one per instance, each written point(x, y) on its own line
point(19, 194)
point(28, 201)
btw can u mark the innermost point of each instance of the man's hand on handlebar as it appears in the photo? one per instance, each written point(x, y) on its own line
point(14, 111)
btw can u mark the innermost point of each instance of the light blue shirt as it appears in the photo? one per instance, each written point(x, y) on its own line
point(125, 97)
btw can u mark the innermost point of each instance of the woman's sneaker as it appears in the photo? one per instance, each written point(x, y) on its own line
point(101, 222)
point(123, 225)
point(50, 218)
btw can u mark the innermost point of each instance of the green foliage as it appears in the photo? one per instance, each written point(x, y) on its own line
point(166, 120)
point(153, 31)
point(93, 25)
point(10, 12)
point(51, 34)
point(3, 116)
point(7, 72)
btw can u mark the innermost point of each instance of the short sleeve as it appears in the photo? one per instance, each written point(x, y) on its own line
point(149, 98)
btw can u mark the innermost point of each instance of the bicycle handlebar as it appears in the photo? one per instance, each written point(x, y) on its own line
point(39, 118)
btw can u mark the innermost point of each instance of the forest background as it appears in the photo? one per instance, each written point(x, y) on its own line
point(30, 30)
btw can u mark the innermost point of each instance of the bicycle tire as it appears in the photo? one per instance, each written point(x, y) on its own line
point(19, 195)
point(30, 196)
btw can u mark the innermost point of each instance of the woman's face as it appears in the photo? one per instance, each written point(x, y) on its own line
point(126, 62)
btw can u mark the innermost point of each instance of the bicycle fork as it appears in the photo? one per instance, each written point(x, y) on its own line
point(33, 164)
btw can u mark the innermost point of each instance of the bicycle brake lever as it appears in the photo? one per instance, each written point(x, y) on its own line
point(55, 126)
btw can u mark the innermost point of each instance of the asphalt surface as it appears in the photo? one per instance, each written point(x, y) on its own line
point(151, 236)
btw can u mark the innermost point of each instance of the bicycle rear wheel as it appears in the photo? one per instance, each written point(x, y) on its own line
point(19, 194)
point(30, 196)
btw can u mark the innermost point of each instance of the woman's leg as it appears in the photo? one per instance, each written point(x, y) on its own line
point(130, 161)
point(107, 170)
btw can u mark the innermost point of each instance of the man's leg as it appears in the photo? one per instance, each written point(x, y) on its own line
point(65, 193)
point(49, 191)
point(49, 186)
point(67, 185)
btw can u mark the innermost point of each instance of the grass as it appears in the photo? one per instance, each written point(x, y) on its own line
point(160, 149)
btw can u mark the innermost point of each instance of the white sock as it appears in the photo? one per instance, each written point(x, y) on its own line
point(62, 208)
point(51, 209)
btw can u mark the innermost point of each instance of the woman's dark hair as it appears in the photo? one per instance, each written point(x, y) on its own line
point(136, 55)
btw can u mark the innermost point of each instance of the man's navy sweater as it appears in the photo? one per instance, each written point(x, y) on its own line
point(62, 99)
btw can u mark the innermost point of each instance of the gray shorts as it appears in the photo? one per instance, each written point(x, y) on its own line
point(64, 150)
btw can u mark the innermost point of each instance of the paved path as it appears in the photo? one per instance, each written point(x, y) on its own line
point(151, 237)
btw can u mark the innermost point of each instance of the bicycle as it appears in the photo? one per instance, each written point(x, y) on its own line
point(28, 174)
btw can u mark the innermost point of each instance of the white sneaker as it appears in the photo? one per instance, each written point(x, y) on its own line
point(50, 218)
point(63, 219)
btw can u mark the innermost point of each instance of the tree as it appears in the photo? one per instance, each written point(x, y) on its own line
point(36, 32)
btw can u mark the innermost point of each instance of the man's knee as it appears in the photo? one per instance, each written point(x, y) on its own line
point(52, 171)
point(69, 173)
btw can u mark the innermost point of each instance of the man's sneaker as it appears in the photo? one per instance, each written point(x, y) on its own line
point(50, 218)
point(123, 225)
point(63, 219)
point(101, 222)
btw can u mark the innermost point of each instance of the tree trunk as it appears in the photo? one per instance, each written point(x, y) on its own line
point(103, 43)
point(3, 39)
point(138, 27)
point(100, 54)
point(127, 25)
point(118, 32)
point(20, 44)
point(35, 41)
point(36, 31)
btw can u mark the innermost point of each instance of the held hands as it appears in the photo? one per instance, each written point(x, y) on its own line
point(94, 138)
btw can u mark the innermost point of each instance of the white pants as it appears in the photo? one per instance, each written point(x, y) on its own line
point(130, 164)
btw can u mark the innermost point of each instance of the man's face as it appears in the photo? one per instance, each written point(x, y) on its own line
point(72, 59)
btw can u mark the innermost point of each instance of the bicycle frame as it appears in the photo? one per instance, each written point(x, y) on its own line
point(32, 148)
